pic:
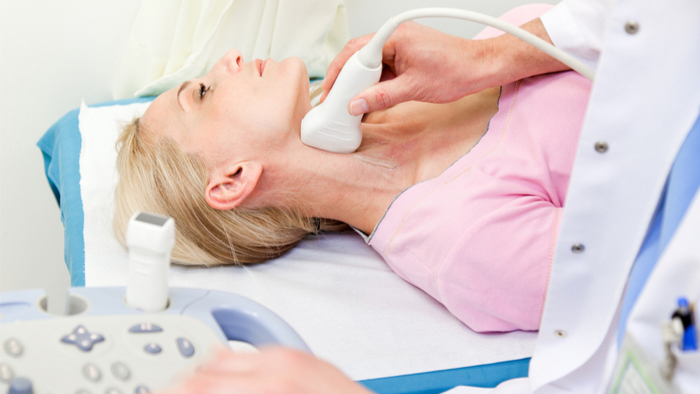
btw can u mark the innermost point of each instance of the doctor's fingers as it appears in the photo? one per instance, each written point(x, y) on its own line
point(274, 370)
point(284, 360)
point(237, 364)
point(339, 61)
point(406, 36)
point(385, 94)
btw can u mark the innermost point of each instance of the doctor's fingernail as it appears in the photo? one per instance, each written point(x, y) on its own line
point(358, 107)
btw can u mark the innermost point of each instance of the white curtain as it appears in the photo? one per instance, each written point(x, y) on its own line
point(176, 40)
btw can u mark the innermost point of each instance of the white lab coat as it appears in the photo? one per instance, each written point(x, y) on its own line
point(645, 99)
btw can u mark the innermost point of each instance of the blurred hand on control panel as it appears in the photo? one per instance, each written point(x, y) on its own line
point(273, 370)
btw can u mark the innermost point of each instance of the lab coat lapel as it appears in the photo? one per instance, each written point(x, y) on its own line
point(643, 133)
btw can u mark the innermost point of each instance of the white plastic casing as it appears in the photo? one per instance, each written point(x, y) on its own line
point(150, 239)
point(329, 126)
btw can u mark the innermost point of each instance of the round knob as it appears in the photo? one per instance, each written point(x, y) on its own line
point(601, 146)
point(20, 386)
point(631, 27)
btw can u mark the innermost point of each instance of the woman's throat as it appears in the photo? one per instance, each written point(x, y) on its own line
point(418, 141)
point(376, 159)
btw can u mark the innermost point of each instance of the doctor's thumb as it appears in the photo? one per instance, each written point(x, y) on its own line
point(380, 96)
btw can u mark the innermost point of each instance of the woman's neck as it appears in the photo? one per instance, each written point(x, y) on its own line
point(401, 146)
point(330, 185)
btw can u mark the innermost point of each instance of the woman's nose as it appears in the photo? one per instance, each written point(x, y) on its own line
point(233, 61)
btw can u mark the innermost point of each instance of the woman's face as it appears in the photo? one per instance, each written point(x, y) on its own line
point(237, 109)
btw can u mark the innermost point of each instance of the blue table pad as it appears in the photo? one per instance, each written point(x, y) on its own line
point(60, 147)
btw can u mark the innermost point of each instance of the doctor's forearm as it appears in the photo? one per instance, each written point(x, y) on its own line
point(507, 58)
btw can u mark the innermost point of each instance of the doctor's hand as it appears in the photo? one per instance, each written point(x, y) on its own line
point(421, 64)
point(274, 370)
point(424, 64)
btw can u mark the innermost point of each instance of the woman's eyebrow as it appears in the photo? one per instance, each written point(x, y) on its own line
point(180, 89)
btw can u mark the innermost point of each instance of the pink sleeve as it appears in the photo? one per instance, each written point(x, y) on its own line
point(517, 16)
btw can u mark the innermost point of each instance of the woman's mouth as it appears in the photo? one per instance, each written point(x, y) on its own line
point(262, 66)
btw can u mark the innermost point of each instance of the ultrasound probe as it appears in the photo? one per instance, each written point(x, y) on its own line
point(330, 127)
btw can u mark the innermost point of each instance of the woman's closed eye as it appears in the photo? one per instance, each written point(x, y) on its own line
point(202, 91)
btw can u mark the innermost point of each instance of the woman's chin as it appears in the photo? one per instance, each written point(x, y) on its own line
point(296, 66)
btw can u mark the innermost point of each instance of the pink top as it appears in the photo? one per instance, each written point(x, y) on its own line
point(480, 237)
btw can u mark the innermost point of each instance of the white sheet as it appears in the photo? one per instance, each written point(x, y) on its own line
point(334, 290)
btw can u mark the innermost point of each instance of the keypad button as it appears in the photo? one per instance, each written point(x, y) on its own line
point(152, 348)
point(142, 390)
point(6, 373)
point(185, 346)
point(145, 328)
point(92, 373)
point(83, 391)
point(82, 338)
point(20, 386)
point(121, 371)
point(14, 347)
point(113, 390)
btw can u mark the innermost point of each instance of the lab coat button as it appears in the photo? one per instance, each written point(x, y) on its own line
point(601, 146)
point(560, 333)
point(631, 27)
point(577, 248)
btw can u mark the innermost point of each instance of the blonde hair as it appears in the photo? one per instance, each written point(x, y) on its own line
point(159, 177)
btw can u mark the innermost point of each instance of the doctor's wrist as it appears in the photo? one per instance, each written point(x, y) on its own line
point(507, 58)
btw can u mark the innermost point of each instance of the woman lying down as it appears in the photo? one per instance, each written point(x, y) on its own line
point(462, 200)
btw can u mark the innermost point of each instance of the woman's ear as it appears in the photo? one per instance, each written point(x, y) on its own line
point(230, 187)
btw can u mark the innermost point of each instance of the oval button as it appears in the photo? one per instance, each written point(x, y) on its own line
point(185, 346)
point(121, 371)
point(6, 373)
point(152, 348)
point(14, 347)
point(92, 373)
